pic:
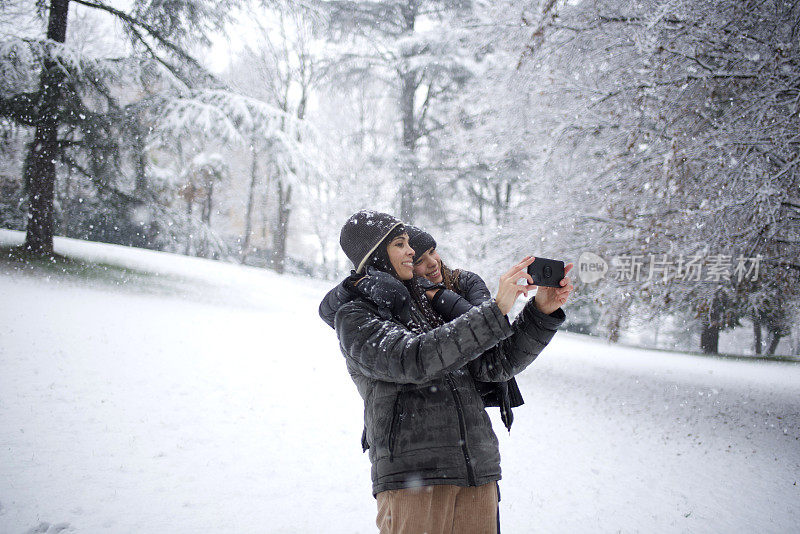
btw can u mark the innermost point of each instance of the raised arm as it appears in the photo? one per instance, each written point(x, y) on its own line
point(533, 330)
point(384, 350)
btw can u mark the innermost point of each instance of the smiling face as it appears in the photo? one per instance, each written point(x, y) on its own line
point(401, 255)
point(429, 265)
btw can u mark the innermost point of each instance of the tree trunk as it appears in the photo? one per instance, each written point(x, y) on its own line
point(208, 205)
point(284, 209)
point(189, 224)
point(657, 328)
point(498, 205)
point(204, 247)
point(757, 334)
point(480, 210)
point(712, 322)
point(265, 207)
point(407, 201)
point(709, 338)
point(248, 219)
point(140, 183)
point(68, 186)
point(615, 329)
point(614, 319)
point(408, 166)
point(43, 151)
point(774, 339)
point(362, 120)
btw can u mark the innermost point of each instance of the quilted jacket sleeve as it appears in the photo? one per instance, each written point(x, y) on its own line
point(449, 304)
point(335, 299)
point(473, 288)
point(385, 350)
point(533, 330)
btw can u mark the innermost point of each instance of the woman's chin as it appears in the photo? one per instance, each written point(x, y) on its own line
point(405, 274)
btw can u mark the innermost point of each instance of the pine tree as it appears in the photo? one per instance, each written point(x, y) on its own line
point(61, 108)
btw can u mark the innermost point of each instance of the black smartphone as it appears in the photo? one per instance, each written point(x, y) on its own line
point(546, 272)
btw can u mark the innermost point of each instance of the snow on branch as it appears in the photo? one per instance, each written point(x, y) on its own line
point(233, 119)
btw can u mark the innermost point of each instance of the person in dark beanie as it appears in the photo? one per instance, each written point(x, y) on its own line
point(434, 456)
point(374, 280)
point(429, 265)
point(363, 233)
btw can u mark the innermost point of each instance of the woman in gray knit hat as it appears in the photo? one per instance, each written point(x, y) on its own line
point(434, 456)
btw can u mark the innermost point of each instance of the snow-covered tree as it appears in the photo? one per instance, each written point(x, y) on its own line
point(72, 107)
point(280, 69)
point(419, 50)
point(635, 128)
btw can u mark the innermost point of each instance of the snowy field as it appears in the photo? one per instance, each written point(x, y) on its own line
point(184, 395)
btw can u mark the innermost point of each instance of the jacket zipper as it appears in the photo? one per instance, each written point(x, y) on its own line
point(395, 428)
point(463, 428)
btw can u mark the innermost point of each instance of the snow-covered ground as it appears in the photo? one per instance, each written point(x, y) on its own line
point(211, 398)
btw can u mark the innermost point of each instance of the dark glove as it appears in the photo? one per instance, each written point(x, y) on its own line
point(385, 291)
point(427, 284)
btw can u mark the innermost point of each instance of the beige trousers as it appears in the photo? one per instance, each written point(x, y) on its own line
point(438, 510)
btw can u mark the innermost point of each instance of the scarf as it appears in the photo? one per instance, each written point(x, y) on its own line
point(423, 316)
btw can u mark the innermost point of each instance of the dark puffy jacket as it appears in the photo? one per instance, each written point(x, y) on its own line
point(334, 300)
point(425, 420)
point(472, 287)
point(470, 290)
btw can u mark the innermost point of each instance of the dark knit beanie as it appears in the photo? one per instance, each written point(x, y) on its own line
point(362, 234)
point(420, 240)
